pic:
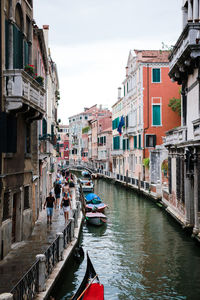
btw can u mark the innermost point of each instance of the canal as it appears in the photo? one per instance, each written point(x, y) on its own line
point(141, 253)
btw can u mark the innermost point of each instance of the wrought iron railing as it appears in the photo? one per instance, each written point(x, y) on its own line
point(27, 287)
point(67, 235)
point(52, 256)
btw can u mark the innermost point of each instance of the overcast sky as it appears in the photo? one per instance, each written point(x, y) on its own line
point(90, 41)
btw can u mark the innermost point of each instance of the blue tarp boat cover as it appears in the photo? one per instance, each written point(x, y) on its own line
point(92, 198)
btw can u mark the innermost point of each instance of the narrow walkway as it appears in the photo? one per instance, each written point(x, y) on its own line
point(23, 255)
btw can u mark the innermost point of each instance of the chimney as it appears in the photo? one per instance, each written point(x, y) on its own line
point(46, 35)
point(119, 92)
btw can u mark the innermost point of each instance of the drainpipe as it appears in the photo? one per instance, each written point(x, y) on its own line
point(147, 127)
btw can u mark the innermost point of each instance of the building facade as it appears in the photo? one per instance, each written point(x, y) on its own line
point(182, 197)
point(23, 103)
point(143, 112)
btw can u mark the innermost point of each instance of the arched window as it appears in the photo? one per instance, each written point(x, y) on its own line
point(18, 38)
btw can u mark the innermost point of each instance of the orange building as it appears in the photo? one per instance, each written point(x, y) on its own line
point(145, 112)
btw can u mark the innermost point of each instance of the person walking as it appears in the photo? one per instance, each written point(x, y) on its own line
point(57, 190)
point(66, 205)
point(49, 203)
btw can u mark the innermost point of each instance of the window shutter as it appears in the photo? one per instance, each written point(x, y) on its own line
point(154, 140)
point(124, 144)
point(3, 132)
point(11, 134)
point(6, 43)
point(44, 127)
point(156, 115)
point(104, 140)
point(156, 75)
point(127, 121)
point(135, 142)
point(128, 144)
point(18, 48)
point(139, 146)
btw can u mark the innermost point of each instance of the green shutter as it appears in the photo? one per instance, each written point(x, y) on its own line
point(44, 127)
point(139, 146)
point(124, 144)
point(156, 115)
point(17, 48)
point(104, 140)
point(127, 147)
point(156, 75)
point(6, 43)
point(135, 142)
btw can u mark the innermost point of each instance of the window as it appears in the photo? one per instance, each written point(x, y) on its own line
point(6, 214)
point(150, 140)
point(115, 123)
point(139, 141)
point(156, 115)
point(104, 140)
point(86, 117)
point(155, 75)
point(135, 142)
point(26, 197)
point(116, 143)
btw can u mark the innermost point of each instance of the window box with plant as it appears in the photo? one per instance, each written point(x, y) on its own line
point(30, 70)
point(40, 80)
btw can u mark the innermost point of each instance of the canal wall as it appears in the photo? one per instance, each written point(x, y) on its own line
point(152, 191)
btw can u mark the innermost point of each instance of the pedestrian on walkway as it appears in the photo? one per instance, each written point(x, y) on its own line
point(66, 205)
point(49, 203)
point(57, 190)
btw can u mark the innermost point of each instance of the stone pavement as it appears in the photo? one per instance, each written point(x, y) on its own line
point(19, 260)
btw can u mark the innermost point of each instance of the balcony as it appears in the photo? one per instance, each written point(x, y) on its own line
point(118, 152)
point(196, 129)
point(175, 136)
point(186, 50)
point(22, 91)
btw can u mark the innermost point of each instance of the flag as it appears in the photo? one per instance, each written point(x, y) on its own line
point(121, 124)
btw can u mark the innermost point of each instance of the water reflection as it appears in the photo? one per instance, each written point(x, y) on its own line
point(140, 254)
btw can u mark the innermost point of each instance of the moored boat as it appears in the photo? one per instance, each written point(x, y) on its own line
point(95, 218)
point(85, 173)
point(96, 207)
point(87, 185)
point(92, 198)
point(90, 287)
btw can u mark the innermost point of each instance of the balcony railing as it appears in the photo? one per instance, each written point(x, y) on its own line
point(21, 88)
point(117, 152)
point(196, 129)
point(176, 136)
point(187, 47)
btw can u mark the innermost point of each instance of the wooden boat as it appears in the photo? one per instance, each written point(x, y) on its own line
point(87, 185)
point(96, 207)
point(90, 287)
point(96, 218)
point(85, 173)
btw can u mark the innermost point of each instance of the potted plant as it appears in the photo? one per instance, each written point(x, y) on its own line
point(40, 80)
point(29, 69)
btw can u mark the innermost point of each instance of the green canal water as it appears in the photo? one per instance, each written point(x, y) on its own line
point(141, 253)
